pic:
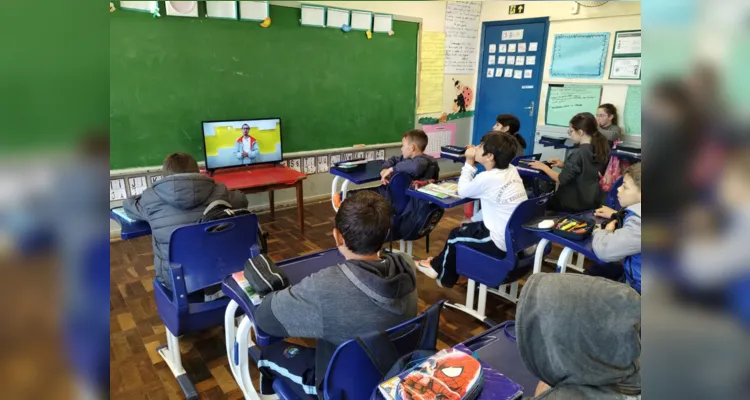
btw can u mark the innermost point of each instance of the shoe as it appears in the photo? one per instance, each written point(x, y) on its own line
point(337, 200)
point(424, 267)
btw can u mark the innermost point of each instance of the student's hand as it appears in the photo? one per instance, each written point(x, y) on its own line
point(604, 212)
point(555, 162)
point(385, 174)
point(466, 221)
point(611, 227)
point(244, 154)
point(471, 153)
point(538, 165)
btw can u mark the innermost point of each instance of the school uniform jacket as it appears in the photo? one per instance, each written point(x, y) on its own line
point(624, 244)
point(579, 188)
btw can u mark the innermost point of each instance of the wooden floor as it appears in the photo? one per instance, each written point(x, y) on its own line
point(137, 371)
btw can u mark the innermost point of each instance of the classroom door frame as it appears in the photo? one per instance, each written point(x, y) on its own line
point(475, 135)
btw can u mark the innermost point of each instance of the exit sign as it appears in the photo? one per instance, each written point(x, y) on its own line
point(516, 9)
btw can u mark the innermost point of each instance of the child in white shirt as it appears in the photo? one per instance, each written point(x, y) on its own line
point(499, 189)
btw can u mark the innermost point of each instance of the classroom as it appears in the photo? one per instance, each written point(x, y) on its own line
point(299, 190)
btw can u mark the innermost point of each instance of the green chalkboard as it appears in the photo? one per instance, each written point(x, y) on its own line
point(565, 101)
point(330, 88)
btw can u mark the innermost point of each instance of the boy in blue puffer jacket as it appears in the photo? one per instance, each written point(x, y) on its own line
point(622, 243)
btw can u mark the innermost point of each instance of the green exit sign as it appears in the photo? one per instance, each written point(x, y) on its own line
point(516, 9)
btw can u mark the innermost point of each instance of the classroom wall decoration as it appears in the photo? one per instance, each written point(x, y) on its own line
point(461, 36)
point(182, 8)
point(565, 101)
point(254, 10)
point(310, 78)
point(632, 111)
point(222, 9)
point(431, 72)
point(579, 55)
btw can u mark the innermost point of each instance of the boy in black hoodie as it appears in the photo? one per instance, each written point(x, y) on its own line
point(378, 292)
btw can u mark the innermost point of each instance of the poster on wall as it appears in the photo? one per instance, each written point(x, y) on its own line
point(579, 55)
point(461, 36)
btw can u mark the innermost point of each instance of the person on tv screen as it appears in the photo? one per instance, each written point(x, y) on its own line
point(246, 147)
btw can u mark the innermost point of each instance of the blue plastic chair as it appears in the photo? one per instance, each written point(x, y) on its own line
point(397, 187)
point(612, 201)
point(351, 375)
point(200, 258)
point(492, 272)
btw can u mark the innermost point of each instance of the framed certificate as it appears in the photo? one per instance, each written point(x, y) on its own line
point(628, 68)
point(627, 43)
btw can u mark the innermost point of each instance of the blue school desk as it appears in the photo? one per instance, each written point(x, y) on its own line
point(454, 158)
point(370, 173)
point(446, 203)
point(496, 348)
point(296, 269)
point(128, 229)
point(628, 155)
point(583, 248)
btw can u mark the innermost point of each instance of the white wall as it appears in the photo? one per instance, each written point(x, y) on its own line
point(611, 17)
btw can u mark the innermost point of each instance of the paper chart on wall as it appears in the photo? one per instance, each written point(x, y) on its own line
point(461, 34)
point(431, 72)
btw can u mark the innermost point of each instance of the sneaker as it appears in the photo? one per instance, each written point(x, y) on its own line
point(424, 267)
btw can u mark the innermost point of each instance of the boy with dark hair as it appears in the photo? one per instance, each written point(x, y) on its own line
point(178, 199)
point(510, 124)
point(413, 161)
point(378, 292)
point(499, 189)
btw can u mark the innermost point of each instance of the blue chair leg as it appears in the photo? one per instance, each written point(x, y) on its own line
point(427, 243)
point(171, 355)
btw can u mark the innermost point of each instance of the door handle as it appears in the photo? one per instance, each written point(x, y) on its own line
point(530, 108)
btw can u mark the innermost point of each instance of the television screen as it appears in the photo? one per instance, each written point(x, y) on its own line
point(241, 142)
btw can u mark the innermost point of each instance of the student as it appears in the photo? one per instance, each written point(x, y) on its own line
point(510, 124)
point(499, 189)
point(606, 117)
point(599, 358)
point(178, 199)
point(624, 243)
point(368, 292)
point(578, 183)
point(246, 146)
point(413, 161)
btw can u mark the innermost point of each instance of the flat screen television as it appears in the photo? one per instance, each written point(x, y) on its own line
point(236, 143)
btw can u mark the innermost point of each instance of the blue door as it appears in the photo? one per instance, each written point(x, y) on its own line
point(515, 51)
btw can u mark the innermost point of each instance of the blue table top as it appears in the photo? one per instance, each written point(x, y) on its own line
point(495, 348)
point(583, 246)
point(296, 269)
point(458, 159)
point(448, 202)
point(626, 154)
point(556, 142)
point(370, 173)
point(130, 230)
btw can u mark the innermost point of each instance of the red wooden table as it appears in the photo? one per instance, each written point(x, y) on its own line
point(266, 179)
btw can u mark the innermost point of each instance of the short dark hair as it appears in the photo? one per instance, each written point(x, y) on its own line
point(509, 120)
point(502, 145)
point(418, 137)
point(179, 163)
point(364, 220)
point(245, 125)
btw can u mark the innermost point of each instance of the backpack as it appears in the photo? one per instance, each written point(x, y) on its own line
point(417, 217)
point(220, 209)
point(384, 356)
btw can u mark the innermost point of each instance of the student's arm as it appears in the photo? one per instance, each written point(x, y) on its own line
point(391, 162)
point(477, 217)
point(414, 167)
point(292, 312)
point(133, 208)
point(237, 199)
point(626, 241)
point(570, 170)
point(468, 186)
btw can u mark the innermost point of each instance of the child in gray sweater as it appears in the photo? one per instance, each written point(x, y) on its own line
point(606, 117)
point(368, 292)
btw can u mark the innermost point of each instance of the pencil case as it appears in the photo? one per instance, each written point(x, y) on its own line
point(575, 234)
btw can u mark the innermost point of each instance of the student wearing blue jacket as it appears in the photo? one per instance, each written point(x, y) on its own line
point(622, 243)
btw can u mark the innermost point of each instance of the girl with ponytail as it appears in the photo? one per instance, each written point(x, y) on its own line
point(578, 180)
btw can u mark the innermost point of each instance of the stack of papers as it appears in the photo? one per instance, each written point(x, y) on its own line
point(441, 190)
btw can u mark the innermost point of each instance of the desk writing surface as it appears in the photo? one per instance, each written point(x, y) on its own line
point(454, 158)
point(583, 246)
point(258, 177)
point(370, 173)
point(129, 229)
point(448, 202)
point(501, 353)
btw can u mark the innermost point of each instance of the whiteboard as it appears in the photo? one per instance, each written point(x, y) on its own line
point(182, 8)
point(383, 23)
point(221, 9)
point(145, 6)
point(337, 18)
point(253, 10)
point(313, 16)
point(361, 20)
